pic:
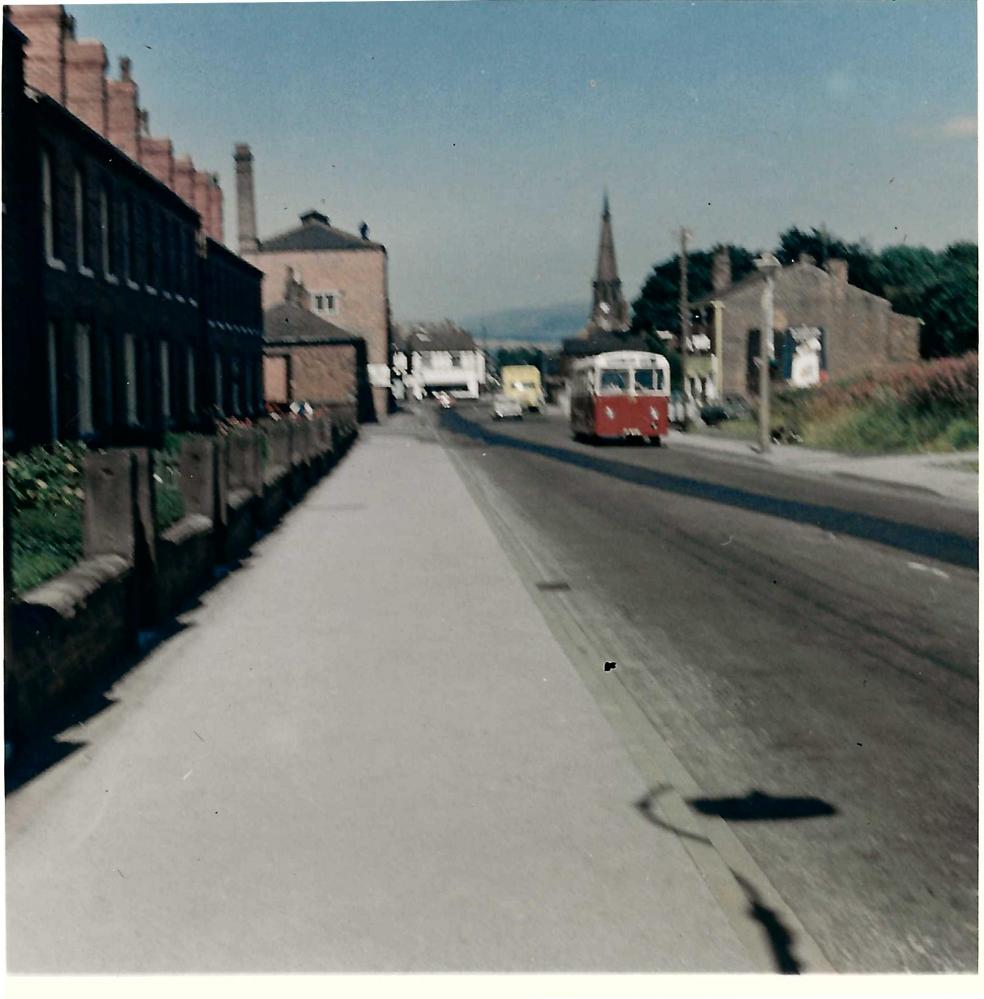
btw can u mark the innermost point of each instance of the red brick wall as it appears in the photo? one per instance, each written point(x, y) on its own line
point(318, 374)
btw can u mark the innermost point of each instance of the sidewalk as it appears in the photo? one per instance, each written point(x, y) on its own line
point(946, 475)
point(364, 752)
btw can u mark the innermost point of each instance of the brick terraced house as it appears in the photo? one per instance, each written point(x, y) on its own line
point(122, 318)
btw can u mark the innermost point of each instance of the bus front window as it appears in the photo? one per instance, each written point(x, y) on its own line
point(644, 380)
point(613, 382)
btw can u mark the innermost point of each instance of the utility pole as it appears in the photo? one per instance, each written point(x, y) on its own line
point(769, 266)
point(684, 321)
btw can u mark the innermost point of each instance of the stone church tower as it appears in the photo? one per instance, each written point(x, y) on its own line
point(609, 310)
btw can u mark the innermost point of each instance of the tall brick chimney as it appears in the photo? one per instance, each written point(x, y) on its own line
point(85, 82)
point(123, 113)
point(721, 269)
point(245, 199)
point(213, 209)
point(47, 27)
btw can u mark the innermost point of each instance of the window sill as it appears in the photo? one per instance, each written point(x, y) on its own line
point(179, 298)
point(86, 271)
point(166, 294)
point(112, 279)
point(149, 290)
point(55, 264)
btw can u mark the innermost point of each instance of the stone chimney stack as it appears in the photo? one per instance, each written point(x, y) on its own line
point(721, 269)
point(246, 199)
point(837, 269)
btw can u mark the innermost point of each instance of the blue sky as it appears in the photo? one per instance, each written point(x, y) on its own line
point(476, 138)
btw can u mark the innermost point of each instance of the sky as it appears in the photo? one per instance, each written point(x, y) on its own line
point(476, 139)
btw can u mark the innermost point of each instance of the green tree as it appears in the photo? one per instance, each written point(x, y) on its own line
point(658, 305)
point(949, 306)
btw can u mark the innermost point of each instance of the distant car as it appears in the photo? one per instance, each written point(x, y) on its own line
point(506, 408)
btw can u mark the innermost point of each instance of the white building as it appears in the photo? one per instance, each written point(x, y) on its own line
point(438, 357)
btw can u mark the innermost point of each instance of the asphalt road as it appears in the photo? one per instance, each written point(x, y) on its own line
point(806, 647)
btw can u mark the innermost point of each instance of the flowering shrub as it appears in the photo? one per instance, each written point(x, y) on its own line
point(45, 493)
point(46, 477)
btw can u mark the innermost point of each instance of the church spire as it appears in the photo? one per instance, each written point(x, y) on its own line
point(609, 310)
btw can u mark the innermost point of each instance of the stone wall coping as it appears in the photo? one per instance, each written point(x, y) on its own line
point(187, 527)
point(65, 594)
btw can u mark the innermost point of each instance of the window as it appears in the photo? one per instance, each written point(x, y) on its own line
point(53, 365)
point(150, 260)
point(165, 237)
point(107, 229)
point(50, 211)
point(455, 359)
point(165, 382)
point(219, 387)
point(613, 382)
point(129, 244)
point(83, 377)
point(235, 386)
point(130, 368)
point(325, 302)
point(191, 381)
point(106, 386)
point(83, 254)
point(643, 379)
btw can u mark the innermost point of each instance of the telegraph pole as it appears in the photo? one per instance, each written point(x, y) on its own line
point(684, 320)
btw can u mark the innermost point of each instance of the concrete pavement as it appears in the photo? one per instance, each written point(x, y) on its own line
point(364, 751)
point(951, 476)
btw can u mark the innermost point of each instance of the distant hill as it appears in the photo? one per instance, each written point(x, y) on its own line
point(545, 323)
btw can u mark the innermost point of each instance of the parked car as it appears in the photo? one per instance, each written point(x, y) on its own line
point(505, 407)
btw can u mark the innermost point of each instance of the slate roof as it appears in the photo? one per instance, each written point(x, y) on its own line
point(317, 233)
point(422, 337)
point(287, 321)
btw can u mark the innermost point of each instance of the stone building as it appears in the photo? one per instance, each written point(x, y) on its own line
point(110, 288)
point(72, 71)
point(850, 330)
point(345, 275)
point(308, 359)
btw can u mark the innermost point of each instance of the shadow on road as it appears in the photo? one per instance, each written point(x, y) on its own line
point(755, 806)
point(759, 807)
point(942, 545)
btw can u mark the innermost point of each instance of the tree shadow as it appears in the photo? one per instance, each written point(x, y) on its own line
point(941, 545)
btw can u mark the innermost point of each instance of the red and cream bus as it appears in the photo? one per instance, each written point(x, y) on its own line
point(624, 393)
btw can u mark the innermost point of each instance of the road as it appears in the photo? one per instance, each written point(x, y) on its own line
point(811, 640)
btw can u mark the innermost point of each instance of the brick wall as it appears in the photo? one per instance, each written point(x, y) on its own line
point(317, 374)
point(359, 276)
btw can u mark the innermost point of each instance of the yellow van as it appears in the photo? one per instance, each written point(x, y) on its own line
point(522, 383)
